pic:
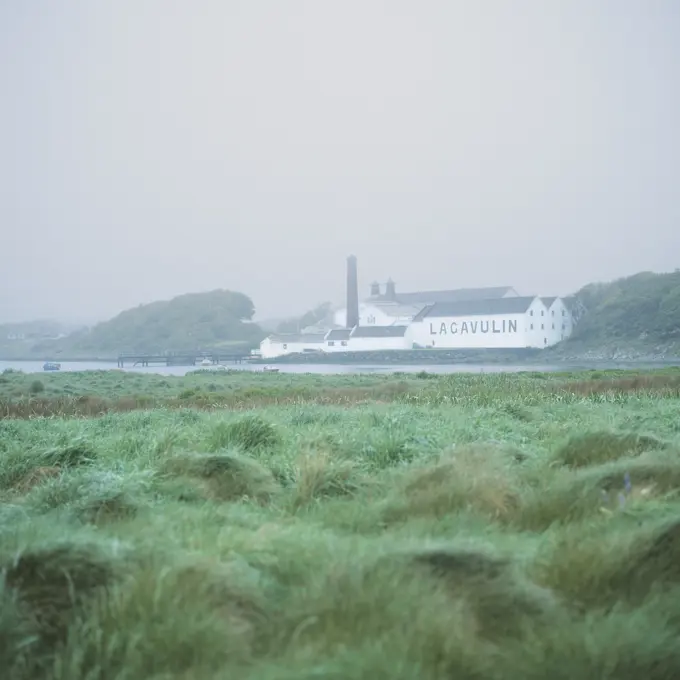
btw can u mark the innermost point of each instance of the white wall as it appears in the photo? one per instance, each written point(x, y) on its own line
point(369, 344)
point(537, 325)
point(560, 322)
point(272, 349)
point(337, 346)
point(483, 331)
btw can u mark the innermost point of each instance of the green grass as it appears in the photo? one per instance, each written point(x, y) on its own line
point(523, 526)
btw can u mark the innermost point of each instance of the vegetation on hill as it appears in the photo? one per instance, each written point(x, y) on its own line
point(190, 321)
point(468, 526)
point(638, 311)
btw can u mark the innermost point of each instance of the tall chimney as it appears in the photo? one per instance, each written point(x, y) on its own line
point(391, 291)
point(352, 293)
point(375, 289)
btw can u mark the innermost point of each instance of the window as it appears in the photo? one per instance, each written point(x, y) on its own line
point(343, 343)
point(553, 326)
point(531, 327)
point(285, 345)
point(542, 313)
point(531, 313)
point(545, 341)
point(542, 327)
point(552, 313)
point(331, 343)
point(563, 326)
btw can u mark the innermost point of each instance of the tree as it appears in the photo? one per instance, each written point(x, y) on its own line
point(320, 314)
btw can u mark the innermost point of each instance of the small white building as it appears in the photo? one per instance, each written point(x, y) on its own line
point(278, 345)
point(378, 338)
point(510, 322)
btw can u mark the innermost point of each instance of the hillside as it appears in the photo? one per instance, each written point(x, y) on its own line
point(190, 321)
point(632, 316)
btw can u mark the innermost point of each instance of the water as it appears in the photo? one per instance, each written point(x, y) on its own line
point(331, 369)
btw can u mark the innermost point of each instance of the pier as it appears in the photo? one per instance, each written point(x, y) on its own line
point(181, 358)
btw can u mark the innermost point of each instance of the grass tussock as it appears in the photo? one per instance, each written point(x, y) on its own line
point(248, 433)
point(602, 569)
point(595, 448)
point(49, 584)
point(567, 497)
point(498, 595)
point(476, 478)
point(319, 476)
point(225, 476)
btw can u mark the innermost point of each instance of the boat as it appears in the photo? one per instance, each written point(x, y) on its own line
point(51, 366)
point(270, 369)
point(206, 362)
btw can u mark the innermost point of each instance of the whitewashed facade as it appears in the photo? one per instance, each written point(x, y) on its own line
point(560, 323)
point(280, 344)
point(337, 340)
point(378, 338)
point(504, 323)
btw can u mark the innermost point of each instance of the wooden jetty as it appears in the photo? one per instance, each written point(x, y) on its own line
point(181, 358)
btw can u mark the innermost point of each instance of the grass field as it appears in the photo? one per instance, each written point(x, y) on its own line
point(233, 525)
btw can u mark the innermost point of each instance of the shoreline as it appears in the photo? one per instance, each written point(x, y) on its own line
point(414, 358)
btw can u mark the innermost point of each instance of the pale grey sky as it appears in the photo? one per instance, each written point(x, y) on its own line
point(154, 147)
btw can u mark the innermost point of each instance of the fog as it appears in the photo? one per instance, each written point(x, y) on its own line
point(150, 148)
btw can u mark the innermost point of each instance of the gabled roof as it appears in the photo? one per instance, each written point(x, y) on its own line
point(304, 338)
point(548, 301)
point(339, 334)
point(456, 295)
point(511, 305)
point(379, 332)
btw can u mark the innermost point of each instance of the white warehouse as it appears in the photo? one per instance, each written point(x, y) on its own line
point(514, 322)
point(278, 344)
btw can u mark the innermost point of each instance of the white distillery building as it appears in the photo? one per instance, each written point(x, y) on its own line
point(512, 322)
point(399, 309)
point(278, 344)
point(378, 338)
point(358, 339)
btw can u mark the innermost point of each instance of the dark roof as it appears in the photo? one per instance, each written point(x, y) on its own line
point(308, 338)
point(339, 334)
point(511, 305)
point(379, 332)
point(456, 295)
point(547, 301)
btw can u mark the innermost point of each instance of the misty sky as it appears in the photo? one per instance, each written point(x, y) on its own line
point(154, 147)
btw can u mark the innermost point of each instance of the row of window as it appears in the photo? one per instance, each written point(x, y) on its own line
point(552, 312)
point(531, 327)
point(331, 343)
